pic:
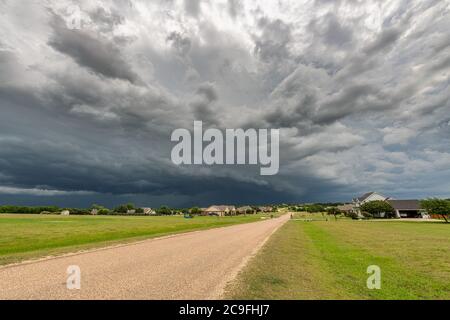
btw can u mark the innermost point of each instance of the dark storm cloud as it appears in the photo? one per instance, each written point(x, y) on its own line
point(355, 98)
point(360, 93)
point(192, 7)
point(234, 7)
point(77, 165)
point(203, 107)
point(208, 91)
point(271, 46)
point(106, 21)
point(385, 40)
point(331, 30)
point(95, 53)
point(181, 44)
point(7, 62)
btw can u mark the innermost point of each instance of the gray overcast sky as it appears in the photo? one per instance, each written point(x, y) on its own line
point(359, 89)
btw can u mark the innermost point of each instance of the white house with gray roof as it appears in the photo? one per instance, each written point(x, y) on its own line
point(402, 208)
point(367, 197)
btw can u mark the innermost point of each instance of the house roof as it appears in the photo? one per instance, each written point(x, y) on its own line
point(245, 208)
point(345, 207)
point(220, 208)
point(365, 196)
point(368, 194)
point(405, 204)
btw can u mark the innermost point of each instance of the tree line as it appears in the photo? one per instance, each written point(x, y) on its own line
point(124, 209)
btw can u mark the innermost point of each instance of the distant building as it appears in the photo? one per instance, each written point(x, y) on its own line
point(346, 208)
point(133, 211)
point(370, 196)
point(220, 211)
point(149, 211)
point(407, 208)
point(402, 208)
point(94, 212)
point(245, 209)
point(265, 209)
point(65, 213)
point(367, 197)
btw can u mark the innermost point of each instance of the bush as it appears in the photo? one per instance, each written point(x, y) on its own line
point(352, 214)
point(79, 212)
point(121, 209)
point(164, 211)
point(195, 210)
point(103, 212)
point(314, 208)
point(334, 212)
point(367, 215)
point(438, 207)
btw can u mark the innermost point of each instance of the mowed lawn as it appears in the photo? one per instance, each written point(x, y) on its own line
point(30, 236)
point(329, 260)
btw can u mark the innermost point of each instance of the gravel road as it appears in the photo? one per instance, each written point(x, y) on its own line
point(194, 265)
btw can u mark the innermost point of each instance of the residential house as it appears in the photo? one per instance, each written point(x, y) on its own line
point(265, 209)
point(407, 208)
point(402, 208)
point(367, 197)
point(149, 211)
point(346, 208)
point(65, 213)
point(220, 210)
point(245, 209)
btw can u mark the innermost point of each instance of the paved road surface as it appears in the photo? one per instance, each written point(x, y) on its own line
point(194, 265)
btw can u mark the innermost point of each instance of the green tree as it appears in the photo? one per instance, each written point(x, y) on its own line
point(139, 210)
point(333, 211)
point(437, 206)
point(101, 210)
point(375, 208)
point(195, 211)
point(314, 208)
point(121, 209)
point(164, 211)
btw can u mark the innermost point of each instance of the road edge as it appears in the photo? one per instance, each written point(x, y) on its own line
point(219, 293)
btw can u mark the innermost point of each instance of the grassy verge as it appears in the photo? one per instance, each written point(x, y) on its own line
point(329, 260)
point(31, 236)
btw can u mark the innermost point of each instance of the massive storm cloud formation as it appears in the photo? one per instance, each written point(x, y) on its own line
point(359, 91)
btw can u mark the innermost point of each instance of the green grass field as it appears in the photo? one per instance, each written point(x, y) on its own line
point(329, 260)
point(30, 236)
